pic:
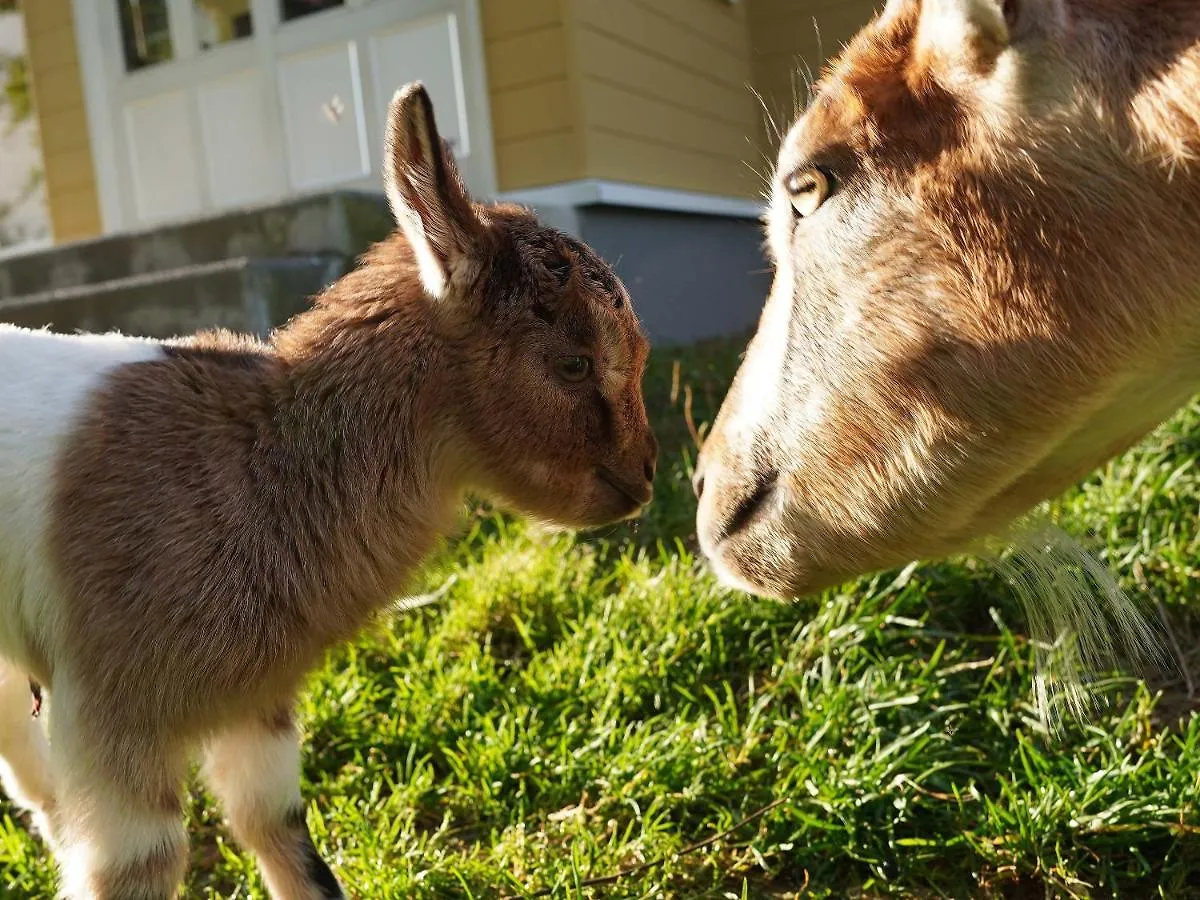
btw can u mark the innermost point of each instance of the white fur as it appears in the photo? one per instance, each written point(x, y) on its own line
point(762, 378)
point(951, 24)
point(255, 774)
point(399, 175)
point(107, 836)
point(100, 825)
point(46, 382)
point(24, 752)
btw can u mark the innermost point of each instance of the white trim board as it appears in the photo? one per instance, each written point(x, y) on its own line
point(92, 48)
point(599, 192)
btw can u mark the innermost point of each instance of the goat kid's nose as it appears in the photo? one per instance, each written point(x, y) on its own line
point(698, 481)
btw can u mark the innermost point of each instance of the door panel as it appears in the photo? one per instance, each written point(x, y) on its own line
point(426, 50)
point(323, 126)
point(163, 157)
point(243, 164)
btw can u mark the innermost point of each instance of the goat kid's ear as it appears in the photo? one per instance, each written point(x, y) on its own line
point(426, 194)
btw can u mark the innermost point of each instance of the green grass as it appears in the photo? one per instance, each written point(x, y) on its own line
point(579, 704)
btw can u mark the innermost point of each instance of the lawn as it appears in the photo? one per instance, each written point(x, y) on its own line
point(568, 706)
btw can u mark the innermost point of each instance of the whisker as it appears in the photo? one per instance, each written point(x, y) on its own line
point(1080, 620)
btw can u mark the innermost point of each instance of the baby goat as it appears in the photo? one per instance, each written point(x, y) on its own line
point(187, 527)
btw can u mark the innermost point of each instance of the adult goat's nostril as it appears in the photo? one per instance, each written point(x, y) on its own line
point(649, 469)
point(751, 504)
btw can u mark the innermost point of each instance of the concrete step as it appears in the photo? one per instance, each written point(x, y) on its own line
point(243, 294)
point(339, 222)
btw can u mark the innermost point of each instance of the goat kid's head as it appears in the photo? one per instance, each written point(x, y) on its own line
point(547, 350)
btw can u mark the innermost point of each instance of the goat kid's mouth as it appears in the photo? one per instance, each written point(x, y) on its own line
point(638, 495)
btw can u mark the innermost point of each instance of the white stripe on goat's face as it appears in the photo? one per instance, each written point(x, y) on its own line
point(987, 283)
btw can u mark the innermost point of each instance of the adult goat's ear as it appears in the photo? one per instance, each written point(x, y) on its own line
point(975, 32)
point(967, 32)
point(427, 196)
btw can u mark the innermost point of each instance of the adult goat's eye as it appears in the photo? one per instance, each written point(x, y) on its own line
point(808, 190)
point(573, 369)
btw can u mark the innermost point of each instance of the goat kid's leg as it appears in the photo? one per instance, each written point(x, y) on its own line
point(24, 751)
point(120, 815)
point(254, 769)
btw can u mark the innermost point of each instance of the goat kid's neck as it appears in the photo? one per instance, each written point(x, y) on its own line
point(365, 427)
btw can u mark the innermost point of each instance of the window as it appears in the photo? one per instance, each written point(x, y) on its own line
point(218, 21)
point(145, 33)
point(294, 9)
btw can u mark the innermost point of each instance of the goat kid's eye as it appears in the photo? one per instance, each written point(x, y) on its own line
point(808, 190)
point(573, 369)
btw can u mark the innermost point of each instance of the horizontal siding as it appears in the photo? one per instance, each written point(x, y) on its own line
point(821, 29)
point(58, 89)
point(531, 111)
point(633, 112)
point(622, 157)
point(654, 31)
point(62, 119)
point(509, 18)
point(70, 170)
point(532, 57)
point(603, 57)
point(536, 124)
point(709, 19)
point(45, 15)
point(537, 161)
point(666, 96)
point(791, 41)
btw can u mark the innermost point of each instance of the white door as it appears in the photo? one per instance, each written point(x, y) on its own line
point(198, 106)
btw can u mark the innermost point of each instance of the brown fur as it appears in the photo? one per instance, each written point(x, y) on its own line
point(227, 514)
point(1001, 294)
point(238, 508)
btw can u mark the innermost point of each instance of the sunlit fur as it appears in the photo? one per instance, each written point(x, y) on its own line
point(1002, 292)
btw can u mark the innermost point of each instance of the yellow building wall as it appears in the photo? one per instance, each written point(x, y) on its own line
point(650, 92)
point(665, 88)
point(654, 92)
point(535, 122)
point(792, 40)
point(62, 119)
